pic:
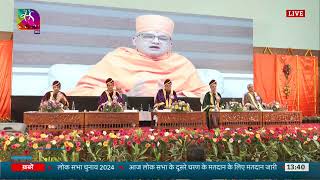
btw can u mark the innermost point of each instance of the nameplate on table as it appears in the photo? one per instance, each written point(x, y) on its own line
point(145, 116)
point(164, 110)
point(71, 111)
point(130, 110)
point(267, 110)
point(225, 110)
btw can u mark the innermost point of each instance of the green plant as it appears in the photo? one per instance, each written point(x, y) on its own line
point(113, 107)
point(236, 107)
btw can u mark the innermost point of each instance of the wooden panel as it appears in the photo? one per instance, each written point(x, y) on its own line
point(299, 52)
point(282, 118)
point(38, 121)
point(111, 121)
point(170, 120)
point(57, 122)
point(255, 118)
point(237, 119)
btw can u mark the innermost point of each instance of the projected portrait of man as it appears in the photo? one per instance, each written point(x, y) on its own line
point(140, 70)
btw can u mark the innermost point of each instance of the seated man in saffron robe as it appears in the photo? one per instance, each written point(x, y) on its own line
point(109, 96)
point(251, 100)
point(139, 70)
point(211, 102)
point(166, 96)
point(56, 95)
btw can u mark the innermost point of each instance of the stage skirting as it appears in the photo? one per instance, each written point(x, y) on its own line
point(45, 121)
point(256, 118)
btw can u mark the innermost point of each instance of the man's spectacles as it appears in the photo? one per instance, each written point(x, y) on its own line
point(150, 37)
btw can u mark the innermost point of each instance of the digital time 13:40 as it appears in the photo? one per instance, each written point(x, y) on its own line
point(296, 167)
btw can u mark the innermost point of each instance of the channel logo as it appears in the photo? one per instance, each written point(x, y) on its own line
point(28, 19)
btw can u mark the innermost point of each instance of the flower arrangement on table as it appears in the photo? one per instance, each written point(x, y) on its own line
point(180, 106)
point(236, 106)
point(276, 106)
point(50, 106)
point(113, 106)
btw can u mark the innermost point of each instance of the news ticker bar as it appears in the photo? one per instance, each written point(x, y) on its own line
point(196, 170)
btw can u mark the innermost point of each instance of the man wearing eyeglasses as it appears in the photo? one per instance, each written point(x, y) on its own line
point(251, 100)
point(140, 70)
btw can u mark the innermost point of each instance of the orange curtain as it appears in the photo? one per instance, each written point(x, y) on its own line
point(5, 78)
point(264, 76)
point(290, 80)
point(308, 84)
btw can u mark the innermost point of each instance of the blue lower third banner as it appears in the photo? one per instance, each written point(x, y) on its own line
point(167, 170)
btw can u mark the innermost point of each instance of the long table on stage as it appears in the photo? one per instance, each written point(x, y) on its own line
point(46, 121)
point(255, 118)
point(39, 121)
